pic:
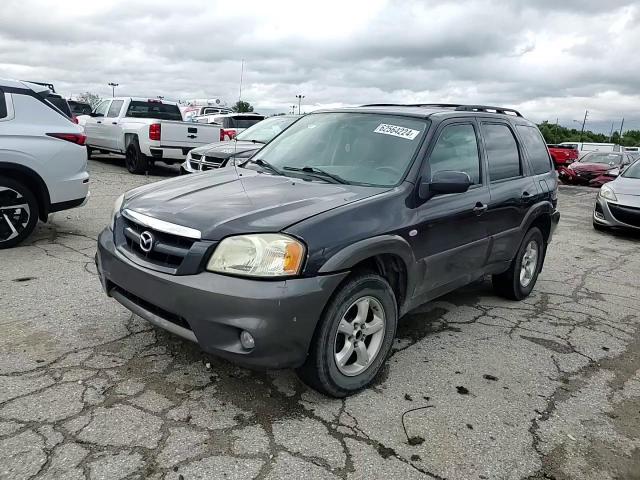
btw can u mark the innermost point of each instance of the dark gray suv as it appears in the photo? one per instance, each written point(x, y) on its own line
point(307, 255)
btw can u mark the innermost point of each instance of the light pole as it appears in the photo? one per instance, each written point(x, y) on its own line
point(299, 97)
point(586, 112)
point(113, 88)
point(293, 109)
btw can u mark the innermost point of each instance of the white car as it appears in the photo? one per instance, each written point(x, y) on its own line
point(231, 123)
point(144, 130)
point(43, 161)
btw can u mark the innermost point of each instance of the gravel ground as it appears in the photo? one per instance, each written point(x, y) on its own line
point(484, 388)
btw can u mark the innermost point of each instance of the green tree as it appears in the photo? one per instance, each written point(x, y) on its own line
point(242, 107)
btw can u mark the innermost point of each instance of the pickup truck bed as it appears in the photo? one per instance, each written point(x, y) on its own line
point(562, 155)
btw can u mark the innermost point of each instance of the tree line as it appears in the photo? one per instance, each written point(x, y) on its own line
point(553, 133)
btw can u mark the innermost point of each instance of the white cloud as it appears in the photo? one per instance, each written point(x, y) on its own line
point(548, 58)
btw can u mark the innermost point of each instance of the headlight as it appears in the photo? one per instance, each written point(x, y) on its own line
point(607, 193)
point(258, 255)
point(116, 208)
point(614, 172)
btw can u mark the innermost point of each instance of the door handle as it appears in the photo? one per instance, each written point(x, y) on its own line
point(99, 121)
point(114, 123)
point(480, 208)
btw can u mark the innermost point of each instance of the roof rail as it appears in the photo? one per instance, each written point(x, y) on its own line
point(455, 106)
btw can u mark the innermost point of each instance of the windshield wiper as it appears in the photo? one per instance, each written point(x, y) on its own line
point(266, 165)
point(318, 172)
point(258, 141)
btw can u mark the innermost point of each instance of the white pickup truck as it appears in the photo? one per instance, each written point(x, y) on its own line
point(144, 130)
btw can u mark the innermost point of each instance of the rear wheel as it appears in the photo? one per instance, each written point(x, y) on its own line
point(353, 338)
point(135, 160)
point(518, 282)
point(18, 212)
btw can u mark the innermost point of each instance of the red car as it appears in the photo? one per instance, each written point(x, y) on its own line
point(563, 155)
point(595, 169)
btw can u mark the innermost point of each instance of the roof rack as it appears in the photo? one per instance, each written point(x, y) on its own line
point(455, 106)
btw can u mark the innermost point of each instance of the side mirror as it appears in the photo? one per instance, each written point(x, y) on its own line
point(445, 182)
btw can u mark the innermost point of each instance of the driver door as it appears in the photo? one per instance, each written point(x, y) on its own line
point(452, 239)
point(93, 127)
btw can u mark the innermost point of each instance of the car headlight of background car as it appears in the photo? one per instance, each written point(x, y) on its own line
point(117, 205)
point(608, 194)
point(614, 172)
point(258, 255)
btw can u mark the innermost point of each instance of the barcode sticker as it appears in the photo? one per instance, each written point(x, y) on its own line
point(396, 131)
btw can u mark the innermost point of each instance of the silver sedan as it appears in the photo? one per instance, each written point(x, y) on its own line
point(618, 202)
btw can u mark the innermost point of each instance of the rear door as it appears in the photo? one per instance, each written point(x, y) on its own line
point(451, 233)
point(513, 191)
point(93, 127)
point(111, 128)
point(540, 164)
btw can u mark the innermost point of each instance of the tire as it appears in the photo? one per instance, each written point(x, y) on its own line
point(135, 160)
point(321, 370)
point(16, 224)
point(89, 152)
point(600, 228)
point(513, 284)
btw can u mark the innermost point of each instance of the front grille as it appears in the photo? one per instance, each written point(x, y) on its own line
point(196, 156)
point(168, 250)
point(198, 162)
point(628, 215)
point(154, 309)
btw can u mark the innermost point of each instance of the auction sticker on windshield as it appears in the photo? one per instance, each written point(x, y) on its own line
point(397, 131)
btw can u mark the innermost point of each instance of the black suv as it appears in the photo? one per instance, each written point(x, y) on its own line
point(307, 255)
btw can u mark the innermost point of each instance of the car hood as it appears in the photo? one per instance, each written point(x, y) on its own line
point(223, 203)
point(590, 167)
point(227, 149)
point(626, 186)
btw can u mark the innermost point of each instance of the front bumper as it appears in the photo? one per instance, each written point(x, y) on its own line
point(569, 175)
point(603, 214)
point(213, 309)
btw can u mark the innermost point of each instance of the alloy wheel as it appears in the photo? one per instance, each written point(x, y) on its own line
point(360, 335)
point(14, 213)
point(529, 263)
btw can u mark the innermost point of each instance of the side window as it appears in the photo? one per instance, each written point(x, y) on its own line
point(3, 105)
point(102, 107)
point(114, 109)
point(457, 150)
point(502, 152)
point(536, 148)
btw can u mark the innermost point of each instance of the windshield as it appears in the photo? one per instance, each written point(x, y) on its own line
point(633, 171)
point(602, 157)
point(154, 109)
point(265, 130)
point(359, 148)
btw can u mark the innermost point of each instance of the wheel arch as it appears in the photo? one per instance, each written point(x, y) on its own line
point(32, 180)
point(390, 256)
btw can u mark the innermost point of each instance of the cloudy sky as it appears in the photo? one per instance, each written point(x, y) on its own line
point(549, 58)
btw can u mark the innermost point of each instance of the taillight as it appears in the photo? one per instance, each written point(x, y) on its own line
point(231, 133)
point(74, 119)
point(77, 138)
point(154, 131)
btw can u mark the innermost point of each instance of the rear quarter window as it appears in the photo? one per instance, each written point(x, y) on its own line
point(536, 149)
point(3, 105)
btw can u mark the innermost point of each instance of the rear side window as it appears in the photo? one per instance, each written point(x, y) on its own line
point(60, 103)
point(3, 105)
point(114, 109)
point(536, 148)
point(502, 152)
point(153, 109)
point(457, 150)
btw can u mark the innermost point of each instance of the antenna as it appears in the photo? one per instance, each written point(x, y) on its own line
point(235, 146)
point(241, 75)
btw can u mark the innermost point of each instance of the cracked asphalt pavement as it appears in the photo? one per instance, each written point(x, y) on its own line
point(477, 387)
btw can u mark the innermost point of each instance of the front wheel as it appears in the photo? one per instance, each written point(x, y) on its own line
point(518, 282)
point(353, 338)
point(18, 212)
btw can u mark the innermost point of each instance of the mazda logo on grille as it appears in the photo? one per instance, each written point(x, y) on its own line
point(146, 241)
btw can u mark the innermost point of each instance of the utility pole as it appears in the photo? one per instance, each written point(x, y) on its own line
point(611, 132)
point(299, 97)
point(556, 135)
point(586, 112)
point(621, 125)
point(113, 88)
